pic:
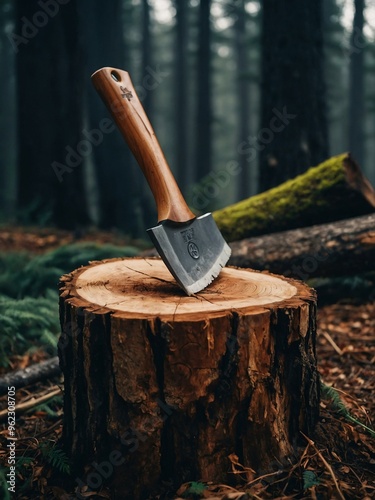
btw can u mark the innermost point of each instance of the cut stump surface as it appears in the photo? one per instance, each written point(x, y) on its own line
point(173, 388)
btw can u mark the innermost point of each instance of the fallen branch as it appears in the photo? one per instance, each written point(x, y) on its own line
point(31, 403)
point(30, 375)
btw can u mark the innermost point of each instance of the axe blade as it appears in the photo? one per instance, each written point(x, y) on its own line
point(194, 251)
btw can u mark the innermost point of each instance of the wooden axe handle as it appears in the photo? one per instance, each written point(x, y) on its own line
point(117, 91)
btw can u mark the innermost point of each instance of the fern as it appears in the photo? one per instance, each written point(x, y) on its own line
point(27, 323)
point(11, 269)
point(331, 394)
point(25, 466)
point(56, 457)
point(24, 469)
point(22, 274)
point(69, 257)
point(48, 338)
point(195, 489)
point(4, 493)
point(22, 462)
point(32, 320)
point(310, 479)
point(46, 407)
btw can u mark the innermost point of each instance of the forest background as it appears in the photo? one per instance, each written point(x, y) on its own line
point(242, 95)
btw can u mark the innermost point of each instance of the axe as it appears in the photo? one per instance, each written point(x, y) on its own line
point(192, 248)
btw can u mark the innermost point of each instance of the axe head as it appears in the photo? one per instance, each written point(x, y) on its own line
point(194, 251)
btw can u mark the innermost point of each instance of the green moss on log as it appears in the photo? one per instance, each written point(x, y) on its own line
point(334, 190)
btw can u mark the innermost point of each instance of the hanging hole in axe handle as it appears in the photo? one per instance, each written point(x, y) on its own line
point(117, 91)
point(115, 76)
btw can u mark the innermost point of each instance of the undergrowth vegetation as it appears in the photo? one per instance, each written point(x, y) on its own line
point(35, 452)
point(29, 298)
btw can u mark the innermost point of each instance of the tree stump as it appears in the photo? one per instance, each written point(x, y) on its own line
point(161, 387)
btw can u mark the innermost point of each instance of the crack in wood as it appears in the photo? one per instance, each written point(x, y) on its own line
point(148, 276)
point(175, 311)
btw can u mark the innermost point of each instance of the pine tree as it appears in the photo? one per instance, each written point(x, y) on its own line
point(357, 85)
point(293, 130)
point(336, 75)
point(243, 93)
point(50, 116)
point(181, 91)
point(203, 153)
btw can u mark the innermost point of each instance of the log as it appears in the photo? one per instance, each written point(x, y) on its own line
point(327, 250)
point(163, 388)
point(334, 190)
point(30, 375)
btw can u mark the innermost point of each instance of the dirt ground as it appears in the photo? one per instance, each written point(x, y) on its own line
point(338, 461)
point(39, 240)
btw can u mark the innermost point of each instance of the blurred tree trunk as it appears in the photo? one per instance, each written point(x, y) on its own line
point(146, 54)
point(50, 91)
point(204, 100)
point(8, 116)
point(146, 199)
point(182, 104)
point(293, 131)
point(356, 85)
point(334, 61)
point(243, 95)
point(103, 28)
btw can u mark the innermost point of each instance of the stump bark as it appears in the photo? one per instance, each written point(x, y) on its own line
point(165, 388)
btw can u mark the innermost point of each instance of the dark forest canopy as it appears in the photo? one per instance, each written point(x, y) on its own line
point(242, 95)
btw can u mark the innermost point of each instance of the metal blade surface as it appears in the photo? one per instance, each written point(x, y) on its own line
point(194, 252)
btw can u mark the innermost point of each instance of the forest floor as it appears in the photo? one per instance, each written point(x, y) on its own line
point(338, 461)
point(39, 240)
